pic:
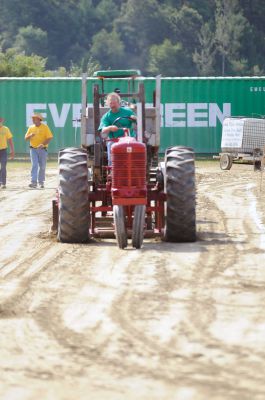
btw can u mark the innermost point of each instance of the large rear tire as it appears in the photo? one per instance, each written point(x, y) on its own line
point(138, 226)
point(120, 228)
point(180, 188)
point(73, 224)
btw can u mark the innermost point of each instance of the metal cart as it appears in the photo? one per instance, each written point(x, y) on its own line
point(243, 139)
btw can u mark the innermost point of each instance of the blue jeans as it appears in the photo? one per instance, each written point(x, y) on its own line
point(38, 165)
point(3, 161)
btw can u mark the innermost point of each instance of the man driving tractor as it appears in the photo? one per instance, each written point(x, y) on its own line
point(123, 116)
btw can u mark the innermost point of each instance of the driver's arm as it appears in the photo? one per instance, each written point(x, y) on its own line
point(110, 128)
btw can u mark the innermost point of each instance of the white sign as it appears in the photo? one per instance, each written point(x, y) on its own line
point(232, 132)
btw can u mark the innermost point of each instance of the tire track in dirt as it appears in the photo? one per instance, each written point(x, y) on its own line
point(215, 269)
point(180, 321)
point(108, 351)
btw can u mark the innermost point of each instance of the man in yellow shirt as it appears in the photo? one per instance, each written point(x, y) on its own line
point(5, 139)
point(39, 136)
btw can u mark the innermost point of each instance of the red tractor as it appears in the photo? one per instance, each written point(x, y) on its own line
point(138, 196)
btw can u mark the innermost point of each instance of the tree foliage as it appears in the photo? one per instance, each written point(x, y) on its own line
point(204, 57)
point(166, 56)
point(17, 64)
point(108, 48)
point(230, 26)
point(31, 40)
point(171, 37)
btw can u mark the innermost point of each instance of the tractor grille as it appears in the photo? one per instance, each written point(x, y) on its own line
point(129, 170)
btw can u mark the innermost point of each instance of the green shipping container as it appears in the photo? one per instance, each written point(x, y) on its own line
point(192, 109)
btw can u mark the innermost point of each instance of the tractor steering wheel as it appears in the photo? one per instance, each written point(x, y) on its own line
point(117, 121)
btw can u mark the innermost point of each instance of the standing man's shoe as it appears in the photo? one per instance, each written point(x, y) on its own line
point(33, 185)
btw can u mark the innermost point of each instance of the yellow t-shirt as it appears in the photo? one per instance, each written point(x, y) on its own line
point(5, 134)
point(42, 133)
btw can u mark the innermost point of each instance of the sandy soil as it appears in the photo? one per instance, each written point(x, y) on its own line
point(169, 321)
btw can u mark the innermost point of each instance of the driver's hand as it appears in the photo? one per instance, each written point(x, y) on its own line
point(104, 135)
point(114, 128)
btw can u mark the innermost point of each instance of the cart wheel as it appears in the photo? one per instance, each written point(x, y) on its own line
point(120, 228)
point(138, 226)
point(226, 161)
point(257, 154)
point(257, 165)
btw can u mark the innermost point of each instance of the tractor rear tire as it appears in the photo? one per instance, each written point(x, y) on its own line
point(120, 228)
point(73, 224)
point(181, 200)
point(138, 226)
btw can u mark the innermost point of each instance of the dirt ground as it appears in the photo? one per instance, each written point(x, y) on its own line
point(169, 321)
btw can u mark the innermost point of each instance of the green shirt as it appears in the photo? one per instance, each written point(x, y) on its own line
point(108, 119)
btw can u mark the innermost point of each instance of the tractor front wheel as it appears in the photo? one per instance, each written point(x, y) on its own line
point(138, 226)
point(120, 228)
point(73, 223)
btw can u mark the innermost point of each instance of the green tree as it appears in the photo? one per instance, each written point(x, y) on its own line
point(68, 33)
point(204, 57)
point(88, 66)
point(253, 42)
point(205, 8)
point(230, 26)
point(185, 26)
point(167, 59)
point(20, 65)
point(107, 11)
point(108, 49)
point(32, 40)
point(66, 24)
point(142, 24)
